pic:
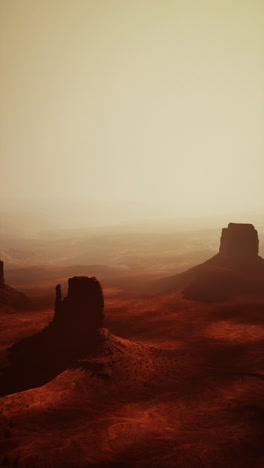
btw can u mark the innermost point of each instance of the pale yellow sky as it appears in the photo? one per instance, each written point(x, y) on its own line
point(141, 100)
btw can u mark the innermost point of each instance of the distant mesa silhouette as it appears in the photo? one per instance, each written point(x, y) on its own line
point(2, 279)
point(239, 244)
point(75, 332)
point(237, 270)
point(10, 299)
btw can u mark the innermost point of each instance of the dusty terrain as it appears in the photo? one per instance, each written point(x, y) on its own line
point(188, 392)
point(177, 383)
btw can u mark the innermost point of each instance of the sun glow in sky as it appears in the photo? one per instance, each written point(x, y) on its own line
point(152, 101)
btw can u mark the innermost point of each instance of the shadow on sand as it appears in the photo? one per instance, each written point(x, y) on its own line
point(36, 360)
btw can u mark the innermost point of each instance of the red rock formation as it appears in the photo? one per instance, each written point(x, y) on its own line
point(2, 279)
point(239, 242)
point(237, 270)
point(76, 332)
point(10, 299)
point(83, 308)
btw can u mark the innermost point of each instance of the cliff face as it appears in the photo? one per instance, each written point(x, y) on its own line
point(10, 299)
point(236, 271)
point(239, 242)
point(2, 279)
point(83, 308)
point(75, 332)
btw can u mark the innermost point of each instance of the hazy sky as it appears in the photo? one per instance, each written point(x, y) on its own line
point(155, 101)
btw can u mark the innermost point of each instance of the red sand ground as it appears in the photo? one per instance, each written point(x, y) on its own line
point(188, 393)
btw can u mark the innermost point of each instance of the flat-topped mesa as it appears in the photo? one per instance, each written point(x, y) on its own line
point(239, 242)
point(83, 308)
point(2, 279)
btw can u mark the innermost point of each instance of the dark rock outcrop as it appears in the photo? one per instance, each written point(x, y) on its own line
point(237, 270)
point(2, 279)
point(10, 299)
point(83, 308)
point(76, 332)
point(239, 243)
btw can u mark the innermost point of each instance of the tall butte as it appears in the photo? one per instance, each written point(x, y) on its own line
point(2, 279)
point(236, 270)
point(74, 334)
point(239, 243)
point(10, 299)
point(82, 310)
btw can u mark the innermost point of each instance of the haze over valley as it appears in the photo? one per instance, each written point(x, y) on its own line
point(131, 234)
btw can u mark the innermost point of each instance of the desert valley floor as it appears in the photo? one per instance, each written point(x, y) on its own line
point(183, 387)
